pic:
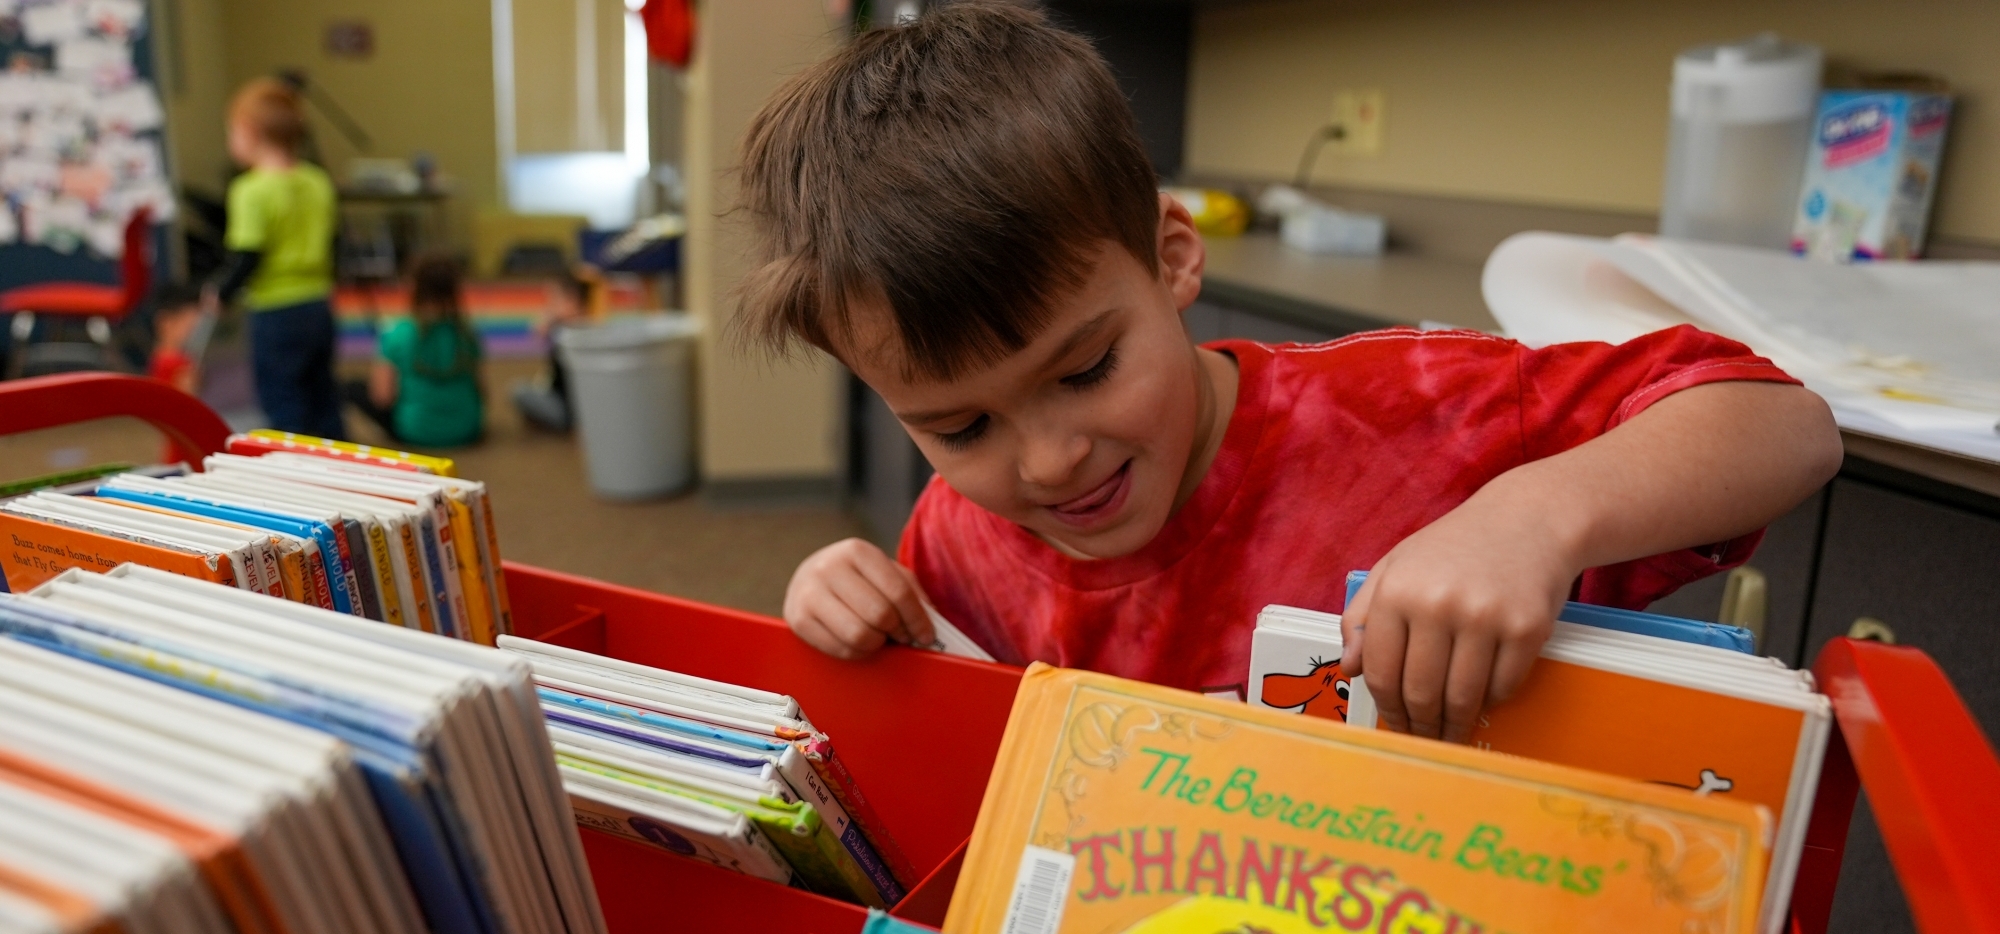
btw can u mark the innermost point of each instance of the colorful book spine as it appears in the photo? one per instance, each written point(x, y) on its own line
point(819, 751)
point(341, 450)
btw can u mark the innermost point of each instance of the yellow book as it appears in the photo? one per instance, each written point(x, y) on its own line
point(265, 440)
point(1117, 807)
point(419, 578)
point(471, 576)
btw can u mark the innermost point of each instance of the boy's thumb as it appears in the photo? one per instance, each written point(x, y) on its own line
point(1353, 628)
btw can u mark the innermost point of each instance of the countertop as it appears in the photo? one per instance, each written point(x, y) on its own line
point(1340, 294)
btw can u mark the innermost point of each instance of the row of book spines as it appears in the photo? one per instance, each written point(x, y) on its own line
point(36, 551)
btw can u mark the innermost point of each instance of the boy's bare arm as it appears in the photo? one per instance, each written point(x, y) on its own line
point(1451, 619)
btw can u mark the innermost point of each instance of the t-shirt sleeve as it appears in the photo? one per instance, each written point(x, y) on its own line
point(248, 217)
point(1571, 393)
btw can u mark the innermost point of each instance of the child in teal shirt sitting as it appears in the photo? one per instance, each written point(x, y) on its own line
point(427, 389)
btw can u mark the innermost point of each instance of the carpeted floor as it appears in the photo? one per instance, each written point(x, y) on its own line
point(738, 557)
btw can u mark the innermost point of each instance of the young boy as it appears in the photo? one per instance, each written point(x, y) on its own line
point(280, 242)
point(961, 211)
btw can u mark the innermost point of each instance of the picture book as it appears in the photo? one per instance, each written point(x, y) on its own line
point(36, 549)
point(750, 752)
point(296, 769)
point(269, 440)
point(1627, 700)
point(1117, 806)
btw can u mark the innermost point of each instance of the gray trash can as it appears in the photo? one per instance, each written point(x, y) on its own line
point(631, 394)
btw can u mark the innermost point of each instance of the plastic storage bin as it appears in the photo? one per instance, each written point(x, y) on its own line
point(919, 730)
point(631, 391)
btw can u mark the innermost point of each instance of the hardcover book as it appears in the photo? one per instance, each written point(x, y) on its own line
point(1117, 806)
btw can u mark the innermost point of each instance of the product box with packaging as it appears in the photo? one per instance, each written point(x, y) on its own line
point(1870, 175)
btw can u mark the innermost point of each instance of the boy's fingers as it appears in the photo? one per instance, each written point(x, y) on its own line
point(1425, 664)
point(896, 586)
point(921, 628)
point(1465, 687)
point(867, 603)
point(849, 628)
point(816, 635)
point(1383, 657)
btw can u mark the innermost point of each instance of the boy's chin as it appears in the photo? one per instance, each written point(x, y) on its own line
point(1117, 539)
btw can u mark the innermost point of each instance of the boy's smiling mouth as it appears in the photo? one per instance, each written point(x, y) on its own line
point(1099, 504)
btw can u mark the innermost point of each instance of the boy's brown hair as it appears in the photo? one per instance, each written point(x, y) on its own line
point(964, 169)
point(271, 109)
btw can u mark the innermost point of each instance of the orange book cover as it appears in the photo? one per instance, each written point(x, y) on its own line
point(1650, 730)
point(34, 551)
point(1117, 807)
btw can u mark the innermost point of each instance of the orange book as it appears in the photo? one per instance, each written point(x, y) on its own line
point(34, 551)
point(1117, 807)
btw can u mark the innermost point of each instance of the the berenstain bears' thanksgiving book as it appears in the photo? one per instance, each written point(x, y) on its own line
point(1118, 807)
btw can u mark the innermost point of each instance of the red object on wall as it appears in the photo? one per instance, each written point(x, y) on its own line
point(669, 30)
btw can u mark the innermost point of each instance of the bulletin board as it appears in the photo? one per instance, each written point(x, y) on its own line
point(82, 136)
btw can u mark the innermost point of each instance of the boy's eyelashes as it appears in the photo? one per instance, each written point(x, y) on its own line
point(1097, 371)
point(963, 438)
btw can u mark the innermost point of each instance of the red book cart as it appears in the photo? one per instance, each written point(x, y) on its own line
point(920, 731)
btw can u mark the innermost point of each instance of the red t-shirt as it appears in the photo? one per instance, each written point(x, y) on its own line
point(1335, 453)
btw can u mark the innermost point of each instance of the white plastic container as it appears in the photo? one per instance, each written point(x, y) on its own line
point(1736, 149)
point(631, 392)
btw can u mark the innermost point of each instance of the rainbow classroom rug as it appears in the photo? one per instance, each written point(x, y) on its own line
point(506, 314)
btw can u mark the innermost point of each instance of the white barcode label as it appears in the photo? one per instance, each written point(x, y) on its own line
point(1040, 890)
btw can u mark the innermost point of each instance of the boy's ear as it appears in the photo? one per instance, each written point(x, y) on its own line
point(1182, 254)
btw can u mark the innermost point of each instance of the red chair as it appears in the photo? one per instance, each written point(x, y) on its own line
point(100, 306)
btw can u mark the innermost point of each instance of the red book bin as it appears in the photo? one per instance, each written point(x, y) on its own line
point(920, 731)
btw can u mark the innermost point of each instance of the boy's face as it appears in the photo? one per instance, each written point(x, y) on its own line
point(1085, 436)
point(243, 143)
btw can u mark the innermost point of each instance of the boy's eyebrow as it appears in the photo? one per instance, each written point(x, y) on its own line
point(1083, 333)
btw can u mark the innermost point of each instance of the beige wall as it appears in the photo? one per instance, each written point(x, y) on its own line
point(1558, 102)
point(428, 87)
point(760, 419)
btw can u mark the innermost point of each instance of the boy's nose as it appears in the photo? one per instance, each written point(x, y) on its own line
point(1049, 459)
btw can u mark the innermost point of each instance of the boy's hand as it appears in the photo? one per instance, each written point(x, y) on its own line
point(1451, 619)
point(848, 598)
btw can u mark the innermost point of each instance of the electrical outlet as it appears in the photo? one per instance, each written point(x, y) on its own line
point(1358, 114)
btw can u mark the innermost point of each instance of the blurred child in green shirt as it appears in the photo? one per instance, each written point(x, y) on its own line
point(280, 242)
point(427, 388)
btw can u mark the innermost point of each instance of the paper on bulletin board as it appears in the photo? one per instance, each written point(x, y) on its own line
point(80, 127)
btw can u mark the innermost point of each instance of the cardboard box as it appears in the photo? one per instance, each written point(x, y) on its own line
point(1870, 175)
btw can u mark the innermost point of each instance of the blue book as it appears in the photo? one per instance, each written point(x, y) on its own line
point(339, 577)
point(1734, 638)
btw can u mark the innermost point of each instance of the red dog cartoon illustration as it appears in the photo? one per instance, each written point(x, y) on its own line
point(1321, 692)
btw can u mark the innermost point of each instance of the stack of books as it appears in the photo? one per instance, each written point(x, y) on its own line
point(725, 774)
point(1672, 702)
point(184, 755)
point(382, 535)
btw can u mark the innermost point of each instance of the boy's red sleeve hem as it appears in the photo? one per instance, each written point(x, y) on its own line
point(1741, 369)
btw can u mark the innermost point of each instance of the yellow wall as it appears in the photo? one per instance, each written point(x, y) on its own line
point(760, 419)
point(545, 77)
point(195, 89)
point(1559, 102)
point(428, 87)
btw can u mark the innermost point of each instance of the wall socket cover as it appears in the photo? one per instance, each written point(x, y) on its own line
point(1359, 115)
